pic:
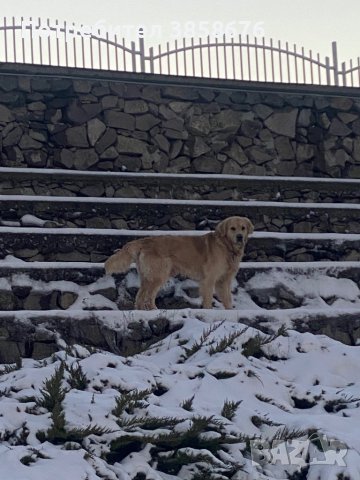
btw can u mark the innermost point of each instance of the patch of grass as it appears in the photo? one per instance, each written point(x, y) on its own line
point(53, 393)
point(225, 342)
point(187, 404)
point(229, 409)
point(77, 378)
point(253, 347)
point(196, 346)
point(333, 406)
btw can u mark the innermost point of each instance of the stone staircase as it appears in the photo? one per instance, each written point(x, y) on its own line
point(90, 161)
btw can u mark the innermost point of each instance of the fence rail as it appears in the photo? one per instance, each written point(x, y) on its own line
point(44, 42)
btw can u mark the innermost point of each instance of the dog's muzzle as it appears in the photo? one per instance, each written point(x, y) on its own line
point(239, 238)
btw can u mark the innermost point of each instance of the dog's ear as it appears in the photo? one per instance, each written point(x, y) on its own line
point(250, 227)
point(221, 228)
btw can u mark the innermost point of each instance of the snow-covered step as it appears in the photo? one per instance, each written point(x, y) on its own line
point(95, 245)
point(59, 182)
point(173, 214)
point(259, 287)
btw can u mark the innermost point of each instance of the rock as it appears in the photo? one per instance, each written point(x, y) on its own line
point(258, 155)
point(347, 117)
point(133, 164)
point(6, 115)
point(226, 121)
point(85, 158)
point(177, 107)
point(250, 128)
point(98, 222)
point(131, 145)
point(263, 111)
point(305, 152)
point(175, 149)
point(76, 137)
point(108, 139)
point(178, 164)
point(303, 227)
point(9, 351)
point(284, 148)
point(36, 158)
point(232, 168)
point(354, 171)
point(324, 121)
point(236, 153)
point(96, 190)
point(356, 149)
point(206, 164)
point(283, 123)
point(109, 292)
point(304, 118)
point(175, 123)
point(109, 101)
point(199, 125)
point(129, 191)
point(66, 158)
point(286, 168)
point(95, 129)
point(198, 147)
point(109, 154)
point(162, 142)
point(341, 103)
point(251, 169)
point(146, 122)
point(339, 128)
point(182, 93)
point(119, 120)
point(176, 134)
point(66, 299)
point(7, 300)
point(356, 127)
point(42, 350)
point(36, 106)
point(135, 106)
point(75, 113)
point(13, 137)
point(27, 142)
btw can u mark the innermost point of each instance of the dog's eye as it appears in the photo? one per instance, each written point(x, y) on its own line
point(242, 228)
point(233, 229)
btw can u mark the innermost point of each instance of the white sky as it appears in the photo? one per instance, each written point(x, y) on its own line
point(313, 24)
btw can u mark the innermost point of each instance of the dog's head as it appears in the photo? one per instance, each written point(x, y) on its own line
point(236, 230)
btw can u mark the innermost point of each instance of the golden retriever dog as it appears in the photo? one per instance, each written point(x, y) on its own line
point(211, 259)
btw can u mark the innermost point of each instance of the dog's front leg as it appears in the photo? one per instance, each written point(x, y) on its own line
point(206, 292)
point(223, 290)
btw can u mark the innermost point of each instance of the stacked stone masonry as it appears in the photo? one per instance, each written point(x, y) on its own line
point(94, 124)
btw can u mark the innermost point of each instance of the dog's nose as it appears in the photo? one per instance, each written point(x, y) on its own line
point(239, 237)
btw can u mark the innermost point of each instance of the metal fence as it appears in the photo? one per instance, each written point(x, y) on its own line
point(44, 42)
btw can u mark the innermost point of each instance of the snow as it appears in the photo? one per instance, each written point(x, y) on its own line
point(196, 203)
point(173, 176)
point(337, 237)
point(267, 389)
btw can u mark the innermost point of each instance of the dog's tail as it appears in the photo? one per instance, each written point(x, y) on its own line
point(121, 260)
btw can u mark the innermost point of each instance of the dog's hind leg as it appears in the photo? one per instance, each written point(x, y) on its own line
point(151, 280)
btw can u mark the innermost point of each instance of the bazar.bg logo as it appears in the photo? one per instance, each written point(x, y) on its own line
point(315, 450)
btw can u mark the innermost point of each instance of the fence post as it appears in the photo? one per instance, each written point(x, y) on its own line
point(335, 63)
point(142, 54)
point(133, 56)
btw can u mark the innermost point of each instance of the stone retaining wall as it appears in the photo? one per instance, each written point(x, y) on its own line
point(88, 123)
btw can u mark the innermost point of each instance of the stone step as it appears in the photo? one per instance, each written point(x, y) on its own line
point(95, 245)
point(72, 183)
point(170, 214)
point(83, 286)
point(38, 334)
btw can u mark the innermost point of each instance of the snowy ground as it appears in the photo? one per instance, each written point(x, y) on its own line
point(189, 407)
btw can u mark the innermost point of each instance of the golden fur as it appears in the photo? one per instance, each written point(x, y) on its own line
point(211, 259)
